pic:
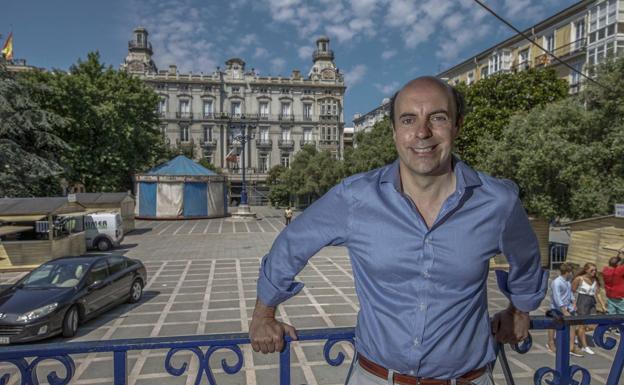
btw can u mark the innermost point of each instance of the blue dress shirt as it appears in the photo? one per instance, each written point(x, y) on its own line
point(561, 294)
point(422, 291)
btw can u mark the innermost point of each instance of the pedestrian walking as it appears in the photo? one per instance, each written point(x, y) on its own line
point(586, 287)
point(562, 299)
point(613, 276)
point(288, 214)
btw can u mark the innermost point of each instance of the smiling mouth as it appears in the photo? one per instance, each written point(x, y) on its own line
point(423, 150)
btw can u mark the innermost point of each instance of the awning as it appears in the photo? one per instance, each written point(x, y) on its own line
point(6, 230)
point(74, 214)
point(21, 218)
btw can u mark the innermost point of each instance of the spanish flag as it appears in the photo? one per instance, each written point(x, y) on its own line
point(7, 48)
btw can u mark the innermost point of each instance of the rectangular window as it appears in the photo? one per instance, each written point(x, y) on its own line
point(286, 109)
point(575, 77)
point(208, 133)
point(470, 78)
point(207, 108)
point(236, 109)
point(610, 51)
point(307, 134)
point(263, 163)
point(185, 107)
point(264, 134)
point(285, 161)
point(549, 42)
point(286, 134)
point(209, 157)
point(184, 134)
point(579, 34)
point(264, 109)
point(523, 59)
point(162, 106)
point(307, 111)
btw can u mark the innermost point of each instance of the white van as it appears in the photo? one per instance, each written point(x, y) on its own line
point(103, 231)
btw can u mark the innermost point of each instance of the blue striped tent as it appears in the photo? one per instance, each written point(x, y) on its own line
point(180, 189)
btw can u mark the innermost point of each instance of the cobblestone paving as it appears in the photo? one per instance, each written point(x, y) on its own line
point(202, 280)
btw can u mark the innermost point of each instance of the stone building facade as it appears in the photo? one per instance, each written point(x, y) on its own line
point(205, 113)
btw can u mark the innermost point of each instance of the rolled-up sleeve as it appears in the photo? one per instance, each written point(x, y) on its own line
point(526, 283)
point(324, 223)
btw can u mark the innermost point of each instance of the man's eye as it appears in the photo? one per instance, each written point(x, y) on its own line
point(439, 118)
point(407, 121)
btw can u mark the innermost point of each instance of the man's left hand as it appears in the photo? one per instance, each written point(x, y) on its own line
point(511, 325)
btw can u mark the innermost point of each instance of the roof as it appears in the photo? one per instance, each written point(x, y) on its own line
point(181, 166)
point(100, 198)
point(33, 206)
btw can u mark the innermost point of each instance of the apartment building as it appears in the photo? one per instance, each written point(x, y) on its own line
point(580, 35)
point(207, 113)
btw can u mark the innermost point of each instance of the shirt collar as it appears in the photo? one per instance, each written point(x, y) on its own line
point(465, 175)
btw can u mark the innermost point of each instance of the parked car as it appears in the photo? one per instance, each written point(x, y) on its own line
point(103, 230)
point(60, 294)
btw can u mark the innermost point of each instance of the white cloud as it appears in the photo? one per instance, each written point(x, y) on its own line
point(388, 54)
point(277, 66)
point(341, 32)
point(355, 75)
point(388, 89)
point(305, 52)
point(260, 53)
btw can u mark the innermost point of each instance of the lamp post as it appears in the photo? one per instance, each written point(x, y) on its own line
point(243, 137)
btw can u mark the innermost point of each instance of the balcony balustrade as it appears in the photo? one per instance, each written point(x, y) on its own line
point(264, 143)
point(212, 143)
point(304, 142)
point(22, 363)
point(184, 115)
point(286, 143)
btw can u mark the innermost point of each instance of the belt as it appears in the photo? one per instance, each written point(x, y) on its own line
point(404, 379)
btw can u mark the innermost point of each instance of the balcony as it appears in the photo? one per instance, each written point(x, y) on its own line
point(133, 44)
point(264, 143)
point(304, 142)
point(212, 143)
point(329, 143)
point(286, 117)
point(328, 54)
point(329, 117)
point(307, 118)
point(286, 143)
point(184, 115)
point(21, 363)
point(263, 116)
point(207, 115)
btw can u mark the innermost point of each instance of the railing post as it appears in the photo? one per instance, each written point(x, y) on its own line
point(285, 364)
point(562, 360)
point(119, 367)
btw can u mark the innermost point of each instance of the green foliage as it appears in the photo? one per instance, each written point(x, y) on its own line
point(493, 100)
point(275, 174)
point(374, 149)
point(29, 147)
point(567, 156)
point(112, 123)
point(205, 163)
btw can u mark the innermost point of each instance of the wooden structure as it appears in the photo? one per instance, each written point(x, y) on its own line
point(542, 229)
point(22, 246)
point(595, 240)
point(120, 202)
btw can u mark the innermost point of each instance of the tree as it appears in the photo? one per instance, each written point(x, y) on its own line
point(374, 149)
point(567, 156)
point(112, 128)
point(492, 101)
point(204, 162)
point(30, 164)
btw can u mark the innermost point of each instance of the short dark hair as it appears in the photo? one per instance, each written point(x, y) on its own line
point(614, 261)
point(458, 98)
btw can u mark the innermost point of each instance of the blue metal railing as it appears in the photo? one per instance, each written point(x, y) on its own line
point(26, 358)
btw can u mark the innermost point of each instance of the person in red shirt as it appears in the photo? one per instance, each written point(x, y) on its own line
point(614, 284)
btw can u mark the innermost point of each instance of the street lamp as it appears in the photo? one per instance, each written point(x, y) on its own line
point(243, 136)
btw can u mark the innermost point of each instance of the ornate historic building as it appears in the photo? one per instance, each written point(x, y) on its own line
point(204, 113)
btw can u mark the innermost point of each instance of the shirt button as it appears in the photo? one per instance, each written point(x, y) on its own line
point(426, 274)
point(416, 342)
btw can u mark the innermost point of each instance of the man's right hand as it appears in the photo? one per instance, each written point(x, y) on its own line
point(265, 332)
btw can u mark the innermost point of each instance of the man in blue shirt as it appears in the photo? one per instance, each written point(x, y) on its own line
point(562, 299)
point(420, 234)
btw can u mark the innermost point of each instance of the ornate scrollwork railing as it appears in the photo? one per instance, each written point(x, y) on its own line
point(25, 359)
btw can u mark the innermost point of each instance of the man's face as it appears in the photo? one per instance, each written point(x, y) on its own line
point(424, 128)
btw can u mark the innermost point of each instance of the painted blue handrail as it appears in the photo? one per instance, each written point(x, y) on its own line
point(26, 358)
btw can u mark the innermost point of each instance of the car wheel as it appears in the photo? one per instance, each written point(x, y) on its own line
point(104, 244)
point(70, 322)
point(136, 291)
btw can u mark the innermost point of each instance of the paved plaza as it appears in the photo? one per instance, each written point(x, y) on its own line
point(202, 280)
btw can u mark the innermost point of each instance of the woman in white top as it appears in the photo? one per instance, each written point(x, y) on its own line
point(586, 287)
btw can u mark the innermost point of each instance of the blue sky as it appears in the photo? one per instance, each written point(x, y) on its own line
point(379, 44)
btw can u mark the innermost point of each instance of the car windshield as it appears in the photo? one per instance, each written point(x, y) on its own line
point(65, 273)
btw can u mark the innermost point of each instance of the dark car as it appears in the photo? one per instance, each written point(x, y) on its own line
point(58, 295)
